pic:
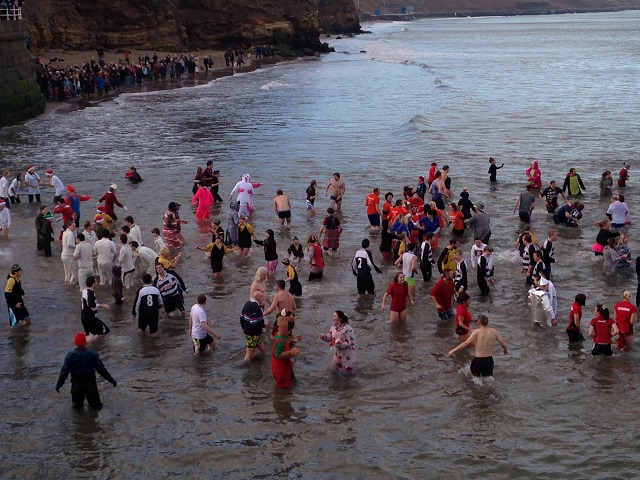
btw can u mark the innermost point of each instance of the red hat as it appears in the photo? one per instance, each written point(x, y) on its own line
point(80, 339)
point(30, 167)
point(70, 188)
point(49, 172)
point(98, 218)
point(421, 178)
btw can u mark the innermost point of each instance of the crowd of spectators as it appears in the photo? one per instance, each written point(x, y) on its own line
point(97, 77)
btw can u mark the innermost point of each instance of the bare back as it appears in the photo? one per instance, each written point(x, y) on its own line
point(282, 203)
point(284, 300)
point(485, 339)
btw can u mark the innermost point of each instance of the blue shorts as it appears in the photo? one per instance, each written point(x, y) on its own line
point(374, 219)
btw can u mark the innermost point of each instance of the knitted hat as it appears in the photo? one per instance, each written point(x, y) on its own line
point(80, 339)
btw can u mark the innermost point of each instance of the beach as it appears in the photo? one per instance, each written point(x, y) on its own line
point(65, 59)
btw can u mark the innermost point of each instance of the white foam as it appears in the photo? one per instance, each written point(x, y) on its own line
point(390, 52)
point(275, 84)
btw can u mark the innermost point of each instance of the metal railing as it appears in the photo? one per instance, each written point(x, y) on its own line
point(10, 13)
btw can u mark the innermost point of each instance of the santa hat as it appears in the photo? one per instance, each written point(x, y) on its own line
point(30, 167)
point(98, 219)
point(71, 188)
point(49, 172)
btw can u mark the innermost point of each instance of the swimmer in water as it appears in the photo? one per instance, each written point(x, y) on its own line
point(484, 339)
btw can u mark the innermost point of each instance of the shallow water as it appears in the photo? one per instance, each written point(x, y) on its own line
point(561, 89)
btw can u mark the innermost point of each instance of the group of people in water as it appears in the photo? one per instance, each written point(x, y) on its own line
point(409, 229)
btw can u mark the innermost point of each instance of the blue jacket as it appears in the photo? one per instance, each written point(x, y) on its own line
point(82, 363)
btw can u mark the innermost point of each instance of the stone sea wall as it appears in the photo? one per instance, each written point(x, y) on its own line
point(20, 97)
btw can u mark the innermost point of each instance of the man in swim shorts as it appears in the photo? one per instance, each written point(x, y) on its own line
point(484, 339)
point(338, 188)
point(282, 206)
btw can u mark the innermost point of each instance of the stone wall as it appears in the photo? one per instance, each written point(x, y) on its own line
point(20, 97)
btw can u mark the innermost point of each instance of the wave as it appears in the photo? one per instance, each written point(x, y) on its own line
point(389, 52)
point(275, 84)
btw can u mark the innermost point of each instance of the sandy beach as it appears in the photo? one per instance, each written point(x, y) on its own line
point(65, 59)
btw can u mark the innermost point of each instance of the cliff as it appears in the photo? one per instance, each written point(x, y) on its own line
point(496, 7)
point(338, 16)
point(180, 25)
point(20, 96)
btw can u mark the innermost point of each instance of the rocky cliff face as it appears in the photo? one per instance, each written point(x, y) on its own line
point(338, 16)
point(178, 25)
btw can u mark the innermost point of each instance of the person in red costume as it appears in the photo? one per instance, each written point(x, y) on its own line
point(534, 176)
point(73, 200)
point(281, 353)
point(110, 200)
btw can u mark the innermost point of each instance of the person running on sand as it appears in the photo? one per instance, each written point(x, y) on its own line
point(338, 189)
point(282, 206)
point(484, 339)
